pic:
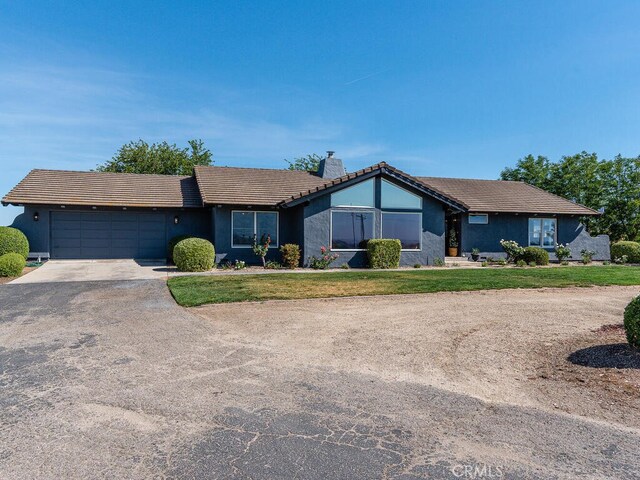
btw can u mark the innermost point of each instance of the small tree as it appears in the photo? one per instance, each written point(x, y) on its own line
point(159, 158)
point(310, 163)
point(261, 249)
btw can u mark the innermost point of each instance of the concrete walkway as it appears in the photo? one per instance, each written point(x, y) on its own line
point(95, 270)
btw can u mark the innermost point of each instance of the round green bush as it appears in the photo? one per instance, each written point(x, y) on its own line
point(632, 322)
point(194, 255)
point(630, 249)
point(172, 244)
point(11, 264)
point(384, 252)
point(536, 254)
point(13, 240)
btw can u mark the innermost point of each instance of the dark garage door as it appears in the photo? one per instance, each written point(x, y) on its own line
point(108, 235)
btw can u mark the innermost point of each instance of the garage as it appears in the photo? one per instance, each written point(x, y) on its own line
point(104, 235)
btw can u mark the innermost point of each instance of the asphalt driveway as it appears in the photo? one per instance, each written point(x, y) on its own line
point(113, 380)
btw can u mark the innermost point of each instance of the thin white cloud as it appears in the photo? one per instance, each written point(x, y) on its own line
point(76, 118)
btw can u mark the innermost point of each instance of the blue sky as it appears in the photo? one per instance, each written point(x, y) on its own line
point(435, 88)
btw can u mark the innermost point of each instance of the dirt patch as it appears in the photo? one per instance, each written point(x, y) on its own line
point(518, 347)
point(595, 373)
point(24, 272)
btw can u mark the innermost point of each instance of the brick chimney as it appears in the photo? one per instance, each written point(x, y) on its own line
point(331, 167)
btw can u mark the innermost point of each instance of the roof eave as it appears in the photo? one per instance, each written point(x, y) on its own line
point(364, 174)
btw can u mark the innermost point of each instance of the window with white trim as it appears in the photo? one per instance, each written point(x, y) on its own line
point(247, 227)
point(542, 232)
point(478, 218)
point(406, 227)
point(350, 230)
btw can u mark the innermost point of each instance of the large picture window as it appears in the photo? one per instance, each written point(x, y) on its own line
point(395, 197)
point(360, 195)
point(249, 226)
point(407, 227)
point(351, 230)
point(542, 232)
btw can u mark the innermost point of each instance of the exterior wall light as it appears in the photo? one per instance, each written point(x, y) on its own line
point(36, 217)
point(176, 220)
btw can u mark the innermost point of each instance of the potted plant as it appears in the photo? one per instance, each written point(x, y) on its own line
point(453, 243)
point(475, 254)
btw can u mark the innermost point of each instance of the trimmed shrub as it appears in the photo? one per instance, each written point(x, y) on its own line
point(13, 240)
point(521, 263)
point(172, 244)
point(194, 255)
point(11, 264)
point(290, 255)
point(384, 253)
point(632, 322)
point(587, 256)
point(629, 249)
point(535, 254)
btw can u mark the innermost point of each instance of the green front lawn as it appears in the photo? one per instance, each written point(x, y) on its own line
point(198, 290)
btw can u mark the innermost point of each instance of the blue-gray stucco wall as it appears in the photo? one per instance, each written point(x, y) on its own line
point(309, 226)
point(317, 232)
point(191, 222)
point(290, 231)
point(516, 227)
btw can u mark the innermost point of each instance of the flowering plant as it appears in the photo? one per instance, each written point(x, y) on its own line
point(324, 260)
point(513, 250)
point(562, 252)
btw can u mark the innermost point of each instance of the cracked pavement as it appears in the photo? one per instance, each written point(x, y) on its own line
point(113, 380)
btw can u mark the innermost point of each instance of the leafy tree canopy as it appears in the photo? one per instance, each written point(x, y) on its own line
point(160, 158)
point(310, 163)
point(610, 185)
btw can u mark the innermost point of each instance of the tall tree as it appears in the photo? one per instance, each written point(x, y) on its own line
point(530, 169)
point(612, 186)
point(310, 163)
point(161, 158)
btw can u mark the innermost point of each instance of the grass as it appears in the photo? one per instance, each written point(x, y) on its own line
point(198, 290)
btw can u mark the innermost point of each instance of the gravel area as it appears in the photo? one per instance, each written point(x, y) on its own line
point(541, 348)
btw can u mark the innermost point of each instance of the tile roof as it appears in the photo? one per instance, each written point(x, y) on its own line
point(266, 187)
point(252, 186)
point(62, 187)
point(504, 196)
